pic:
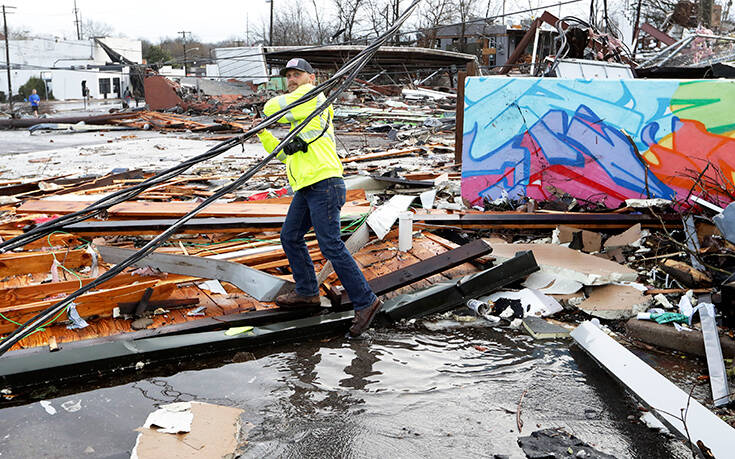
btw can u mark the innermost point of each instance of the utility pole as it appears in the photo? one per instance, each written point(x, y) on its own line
point(270, 32)
point(396, 10)
point(183, 34)
point(77, 22)
point(7, 59)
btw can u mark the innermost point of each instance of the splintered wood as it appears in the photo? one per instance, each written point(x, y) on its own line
point(20, 302)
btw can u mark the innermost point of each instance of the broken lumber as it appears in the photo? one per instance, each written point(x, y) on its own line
point(423, 269)
point(171, 209)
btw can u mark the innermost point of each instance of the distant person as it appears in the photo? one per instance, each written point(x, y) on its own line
point(127, 98)
point(34, 100)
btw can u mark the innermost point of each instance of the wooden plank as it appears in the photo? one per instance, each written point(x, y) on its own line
point(33, 293)
point(459, 117)
point(171, 209)
point(12, 264)
point(98, 303)
point(426, 268)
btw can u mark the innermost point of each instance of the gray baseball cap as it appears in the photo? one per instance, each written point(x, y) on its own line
point(298, 64)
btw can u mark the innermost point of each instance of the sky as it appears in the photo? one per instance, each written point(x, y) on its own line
point(210, 21)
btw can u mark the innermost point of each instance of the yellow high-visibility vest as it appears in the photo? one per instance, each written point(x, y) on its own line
point(320, 161)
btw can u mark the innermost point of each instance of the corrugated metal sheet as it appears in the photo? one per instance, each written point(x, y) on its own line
point(245, 63)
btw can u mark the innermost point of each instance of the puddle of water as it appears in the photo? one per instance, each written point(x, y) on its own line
point(404, 393)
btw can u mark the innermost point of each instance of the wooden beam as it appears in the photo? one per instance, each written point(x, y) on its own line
point(426, 268)
point(459, 117)
point(12, 264)
point(171, 209)
point(98, 303)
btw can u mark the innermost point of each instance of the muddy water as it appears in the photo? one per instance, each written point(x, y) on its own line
point(406, 392)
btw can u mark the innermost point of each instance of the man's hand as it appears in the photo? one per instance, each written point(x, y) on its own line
point(255, 123)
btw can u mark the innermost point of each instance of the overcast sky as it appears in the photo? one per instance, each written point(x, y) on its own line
point(210, 21)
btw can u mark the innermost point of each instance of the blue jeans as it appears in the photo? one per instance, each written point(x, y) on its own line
point(319, 205)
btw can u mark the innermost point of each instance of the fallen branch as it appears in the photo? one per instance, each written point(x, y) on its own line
point(518, 412)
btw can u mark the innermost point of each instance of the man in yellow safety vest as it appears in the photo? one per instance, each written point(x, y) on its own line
point(315, 174)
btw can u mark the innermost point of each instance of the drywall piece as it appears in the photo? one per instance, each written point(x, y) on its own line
point(665, 400)
point(626, 238)
point(355, 242)
point(541, 329)
point(213, 434)
point(534, 302)
point(717, 373)
point(261, 286)
point(550, 284)
point(539, 280)
point(615, 302)
point(569, 264)
point(383, 218)
point(427, 199)
point(587, 241)
point(213, 285)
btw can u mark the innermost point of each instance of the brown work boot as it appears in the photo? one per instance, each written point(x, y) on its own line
point(293, 300)
point(364, 317)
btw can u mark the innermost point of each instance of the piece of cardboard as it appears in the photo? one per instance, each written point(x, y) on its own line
point(569, 264)
point(589, 240)
point(213, 434)
point(625, 238)
point(614, 302)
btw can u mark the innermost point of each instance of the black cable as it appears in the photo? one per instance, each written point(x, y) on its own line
point(39, 319)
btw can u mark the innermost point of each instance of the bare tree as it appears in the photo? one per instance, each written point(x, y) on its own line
point(466, 10)
point(18, 33)
point(295, 26)
point(91, 29)
point(347, 16)
point(378, 15)
point(432, 14)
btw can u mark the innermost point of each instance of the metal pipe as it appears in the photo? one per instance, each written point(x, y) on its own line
point(660, 53)
point(535, 49)
point(676, 51)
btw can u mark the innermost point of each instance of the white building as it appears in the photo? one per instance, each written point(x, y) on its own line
point(64, 64)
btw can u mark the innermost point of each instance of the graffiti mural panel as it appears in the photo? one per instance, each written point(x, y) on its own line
point(539, 136)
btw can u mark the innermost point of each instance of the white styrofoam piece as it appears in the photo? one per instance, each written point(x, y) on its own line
point(427, 199)
point(172, 418)
point(664, 398)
